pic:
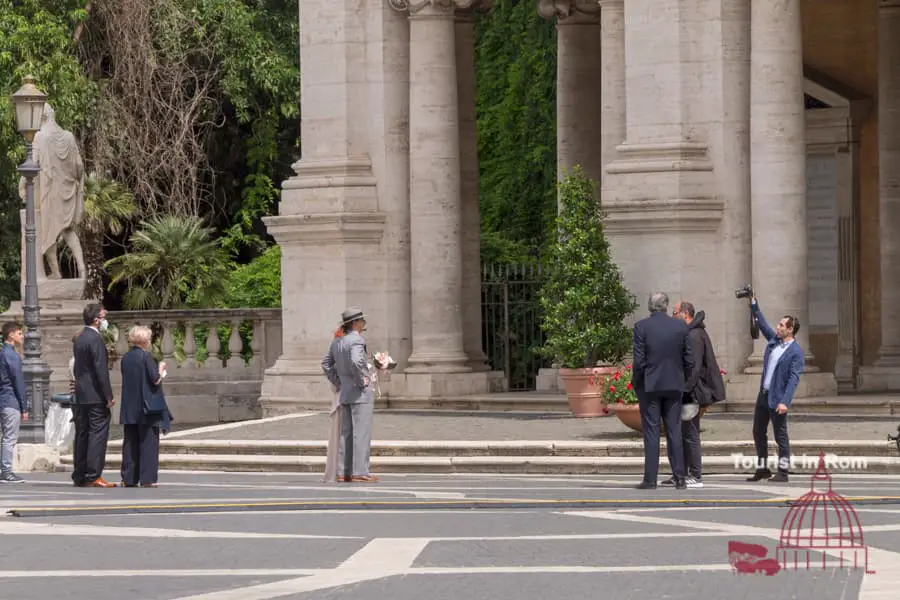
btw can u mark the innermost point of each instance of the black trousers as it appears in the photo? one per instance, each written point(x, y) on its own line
point(140, 455)
point(690, 441)
point(667, 405)
point(762, 415)
point(91, 437)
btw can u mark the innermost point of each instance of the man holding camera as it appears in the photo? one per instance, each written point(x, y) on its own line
point(783, 363)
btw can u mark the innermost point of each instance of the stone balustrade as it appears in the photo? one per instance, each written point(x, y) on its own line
point(216, 358)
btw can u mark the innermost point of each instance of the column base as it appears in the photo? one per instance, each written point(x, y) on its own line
point(548, 380)
point(745, 387)
point(292, 386)
point(443, 363)
point(879, 378)
point(438, 385)
point(35, 456)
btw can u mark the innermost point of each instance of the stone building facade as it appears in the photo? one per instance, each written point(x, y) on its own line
point(734, 141)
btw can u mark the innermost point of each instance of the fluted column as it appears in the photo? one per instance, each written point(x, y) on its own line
point(889, 179)
point(435, 189)
point(471, 213)
point(778, 167)
point(579, 72)
point(612, 86)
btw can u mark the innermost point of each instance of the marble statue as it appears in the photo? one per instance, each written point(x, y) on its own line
point(58, 195)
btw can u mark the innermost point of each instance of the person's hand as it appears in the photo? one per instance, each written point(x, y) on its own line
point(25, 416)
point(781, 409)
point(111, 403)
point(72, 386)
point(366, 381)
point(162, 366)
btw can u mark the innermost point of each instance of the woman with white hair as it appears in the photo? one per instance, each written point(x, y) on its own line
point(144, 411)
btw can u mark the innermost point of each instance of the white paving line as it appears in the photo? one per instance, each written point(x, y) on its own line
point(563, 569)
point(237, 424)
point(160, 573)
point(54, 529)
point(380, 558)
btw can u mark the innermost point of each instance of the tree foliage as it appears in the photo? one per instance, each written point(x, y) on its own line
point(583, 299)
point(516, 103)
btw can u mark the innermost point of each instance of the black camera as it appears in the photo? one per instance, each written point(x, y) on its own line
point(744, 292)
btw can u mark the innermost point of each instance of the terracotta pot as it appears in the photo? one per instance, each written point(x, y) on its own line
point(630, 415)
point(584, 397)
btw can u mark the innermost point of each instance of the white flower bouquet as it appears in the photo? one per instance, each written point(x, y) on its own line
point(383, 361)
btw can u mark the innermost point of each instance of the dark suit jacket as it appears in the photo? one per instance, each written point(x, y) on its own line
point(786, 377)
point(140, 372)
point(92, 384)
point(662, 354)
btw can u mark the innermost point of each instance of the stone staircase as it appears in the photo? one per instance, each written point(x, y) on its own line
point(520, 457)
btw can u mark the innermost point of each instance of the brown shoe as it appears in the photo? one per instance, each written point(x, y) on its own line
point(101, 483)
point(365, 478)
point(343, 479)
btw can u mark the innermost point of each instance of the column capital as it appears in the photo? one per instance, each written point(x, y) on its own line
point(446, 8)
point(466, 11)
point(611, 4)
point(888, 4)
point(569, 11)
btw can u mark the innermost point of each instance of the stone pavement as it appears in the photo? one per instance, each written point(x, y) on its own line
point(408, 553)
point(455, 425)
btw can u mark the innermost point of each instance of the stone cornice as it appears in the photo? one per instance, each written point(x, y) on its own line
point(659, 216)
point(661, 157)
point(327, 229)
point(439, 7)
point(565, 10)
point(888, 4)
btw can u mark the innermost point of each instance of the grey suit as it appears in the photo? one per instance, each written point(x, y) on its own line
point(345, 366)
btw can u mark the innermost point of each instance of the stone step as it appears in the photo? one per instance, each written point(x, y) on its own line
point(515, 448)
point(851, 405)
point(575, 465)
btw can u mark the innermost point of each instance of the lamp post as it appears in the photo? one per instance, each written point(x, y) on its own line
point(29, 104)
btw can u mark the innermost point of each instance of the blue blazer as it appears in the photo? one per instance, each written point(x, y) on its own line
point(787, 372)
point(140, 391)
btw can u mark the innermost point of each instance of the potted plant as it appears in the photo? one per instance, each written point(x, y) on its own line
point(583, 300)
point(618, 392)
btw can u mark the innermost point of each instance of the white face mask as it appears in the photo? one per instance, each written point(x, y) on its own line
point(104, 324)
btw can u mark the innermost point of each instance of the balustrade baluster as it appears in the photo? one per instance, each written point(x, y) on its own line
point(190, 347)
point(167, 346)
point(236, 345)
point(213, 347)
point(257, 361)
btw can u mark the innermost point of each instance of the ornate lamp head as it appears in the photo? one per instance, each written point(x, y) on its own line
point(29, 103)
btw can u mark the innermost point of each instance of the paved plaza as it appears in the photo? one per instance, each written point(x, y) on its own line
point(386, 540)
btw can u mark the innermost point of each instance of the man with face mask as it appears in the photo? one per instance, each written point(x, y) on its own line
point(93, 400)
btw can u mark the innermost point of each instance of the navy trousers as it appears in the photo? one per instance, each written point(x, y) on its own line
point(140, 455)
point(665, 405)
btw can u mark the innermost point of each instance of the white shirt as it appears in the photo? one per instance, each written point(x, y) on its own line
point(774, 357)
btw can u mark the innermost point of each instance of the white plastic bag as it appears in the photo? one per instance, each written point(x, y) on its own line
point(59, 430)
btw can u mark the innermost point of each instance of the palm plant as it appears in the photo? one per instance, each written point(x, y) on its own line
point(108, 205)
point(173, 263)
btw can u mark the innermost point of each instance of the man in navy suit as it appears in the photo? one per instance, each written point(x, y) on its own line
point(783, 363)
point(662, 365)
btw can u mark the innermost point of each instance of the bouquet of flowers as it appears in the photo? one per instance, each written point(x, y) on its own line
point(383, 361)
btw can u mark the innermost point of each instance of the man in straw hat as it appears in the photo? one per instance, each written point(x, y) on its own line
point(347, 368)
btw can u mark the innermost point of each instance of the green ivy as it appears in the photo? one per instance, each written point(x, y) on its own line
point(583, 300)
point(256, 284)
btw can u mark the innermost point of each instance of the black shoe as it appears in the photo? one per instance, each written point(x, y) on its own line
point(11, 478)
point(680, 484)
point(760, 474)
point(669, 482)
point(779, 478)
point(646, 485)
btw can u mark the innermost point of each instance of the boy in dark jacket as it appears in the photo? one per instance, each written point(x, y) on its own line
point(13, 400)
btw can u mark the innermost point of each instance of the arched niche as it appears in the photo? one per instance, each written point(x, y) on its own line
point(834, 113)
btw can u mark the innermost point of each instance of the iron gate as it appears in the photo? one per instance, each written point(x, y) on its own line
point(510, 317)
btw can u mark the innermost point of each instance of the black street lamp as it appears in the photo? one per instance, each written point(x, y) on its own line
point(29, 103)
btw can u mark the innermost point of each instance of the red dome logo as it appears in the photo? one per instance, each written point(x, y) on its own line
point(820, 529)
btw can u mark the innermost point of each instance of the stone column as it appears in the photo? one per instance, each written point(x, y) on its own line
point(579, 73)
point(612, 82)
point(885, 374)
point(329, 224)
point(778, 167)
point(889, 178)
point(435, 190)
point(471, 213)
